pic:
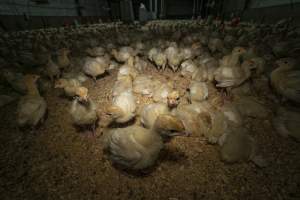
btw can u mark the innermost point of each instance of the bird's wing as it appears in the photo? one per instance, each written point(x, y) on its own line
point(226, 83)
point(122, 149)
point(292, 86)
point(30, 105)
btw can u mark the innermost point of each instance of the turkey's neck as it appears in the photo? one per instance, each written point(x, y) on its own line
point(32, 89)
point(115, 54)
point(158, 131)
point(74, 105)
point(247, 71)
point(234, 59)
point(155, 132)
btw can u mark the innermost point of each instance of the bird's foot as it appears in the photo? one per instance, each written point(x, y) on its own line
point(94, 81)
point(89, 133)
point(227, 95)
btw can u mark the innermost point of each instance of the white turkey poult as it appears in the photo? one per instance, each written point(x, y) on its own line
point(122, 109)
point(95, 67)
point(137, 148)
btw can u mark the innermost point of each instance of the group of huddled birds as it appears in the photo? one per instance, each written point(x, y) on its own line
point(233, 72)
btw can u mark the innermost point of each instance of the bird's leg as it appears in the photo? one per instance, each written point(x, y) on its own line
point(119, 185)
point(89, 131)
point(85, 130)
point(223, 92)
point(95, 81)
point(163, 67)
point(160, 68)
point(227, 91)
point(226, 94)
point(94, 129)
point(229, 95)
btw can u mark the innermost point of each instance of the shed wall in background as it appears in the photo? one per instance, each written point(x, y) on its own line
point(179, 9)
point(268, 11)
point(53, 8)
point(26, 14)
point(270, 3)
point(274, 13)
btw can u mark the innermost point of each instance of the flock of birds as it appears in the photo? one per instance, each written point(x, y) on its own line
point(232, 71)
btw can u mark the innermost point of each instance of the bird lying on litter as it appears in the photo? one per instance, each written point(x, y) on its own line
point(286, 79)
point(287, 122)
point(238, 146)
point(138, 148)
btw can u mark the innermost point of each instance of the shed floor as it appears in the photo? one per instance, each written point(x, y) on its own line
point(56, 162)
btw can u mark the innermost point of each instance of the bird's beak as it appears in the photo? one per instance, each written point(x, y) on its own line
point(172, 104)
point(84, 98)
